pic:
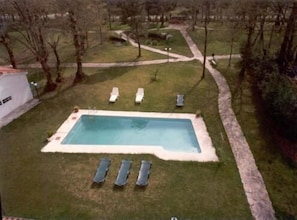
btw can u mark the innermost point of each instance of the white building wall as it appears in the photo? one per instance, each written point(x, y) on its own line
point(14, 92)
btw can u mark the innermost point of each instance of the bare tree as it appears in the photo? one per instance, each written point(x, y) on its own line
point(5, 39)
point(152, 8)
point(101, 14)
point(166, 6)
point(206, 20)
point(77, 19)
point(133, 12)
point(194, 7)
point(53, 43)
point(288, 49)
point(31, 25)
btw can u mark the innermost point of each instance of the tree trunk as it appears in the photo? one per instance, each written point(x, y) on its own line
point(9, 51)
point(138, 42)
point(109, 18)
point(262, 33)
point(162, 20)
point(79, 76)
point(194, 18)
point(58, 63)
point(50, 85)
point(77, 41)
point(271, 36)
point(205, 47)
point(295, 55)
point(100, 35)
point(54, 46)
point(139, 48)
point(285, 55)
point(136, 23)
point(231, 51)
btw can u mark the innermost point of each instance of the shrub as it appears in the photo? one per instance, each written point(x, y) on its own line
point(117, 39)
point(75, 109)
point(279, 94)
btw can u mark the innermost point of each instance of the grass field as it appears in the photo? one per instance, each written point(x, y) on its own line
point(220, 35)
point(58, 186)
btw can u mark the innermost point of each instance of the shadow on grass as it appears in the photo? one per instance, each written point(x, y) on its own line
point(268, 131)
point(103, 75)
point(193, 87)
point(96, 185)
point(140, 188)
point(118, 188)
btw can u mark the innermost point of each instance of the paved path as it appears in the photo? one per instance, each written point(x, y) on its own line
point(253, 184)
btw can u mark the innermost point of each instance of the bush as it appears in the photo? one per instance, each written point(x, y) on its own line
point(116, 39)
point(279, 94)
point(157, 36)
point(154, 43)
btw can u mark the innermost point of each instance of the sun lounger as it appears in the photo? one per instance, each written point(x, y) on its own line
point(144, 173)
point(102, 170)
point(123, 173)
point(180, 100)
point(139, 95)
point(114, 94)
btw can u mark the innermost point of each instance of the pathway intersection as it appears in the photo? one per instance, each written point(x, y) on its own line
point(253, 183)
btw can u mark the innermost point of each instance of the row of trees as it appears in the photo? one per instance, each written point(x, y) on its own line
point(273, 67)
point(40, 26)
point(37, 20)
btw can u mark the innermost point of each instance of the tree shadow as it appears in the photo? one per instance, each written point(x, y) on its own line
point(105, 74)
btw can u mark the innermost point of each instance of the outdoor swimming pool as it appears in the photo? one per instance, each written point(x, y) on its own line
point(172, 134)
point(169, 136)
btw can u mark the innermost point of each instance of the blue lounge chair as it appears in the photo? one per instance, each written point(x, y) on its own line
point(180, 100)
point(123, 173)
point(102, 170)
point(144, 173)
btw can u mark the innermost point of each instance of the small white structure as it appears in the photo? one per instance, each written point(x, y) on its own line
point(139, 95)
point(15, 90)
point(114, 94)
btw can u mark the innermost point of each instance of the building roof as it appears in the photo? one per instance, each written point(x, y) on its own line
point(9, 70)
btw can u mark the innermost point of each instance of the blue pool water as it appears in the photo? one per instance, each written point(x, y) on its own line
point(172, 134)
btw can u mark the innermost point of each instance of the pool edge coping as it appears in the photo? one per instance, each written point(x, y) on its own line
point(208, 152)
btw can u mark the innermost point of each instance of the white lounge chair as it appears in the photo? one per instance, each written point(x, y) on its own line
point(139, 95)
point(114, 94)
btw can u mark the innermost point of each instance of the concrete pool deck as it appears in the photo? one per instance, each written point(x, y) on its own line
point(207, 150)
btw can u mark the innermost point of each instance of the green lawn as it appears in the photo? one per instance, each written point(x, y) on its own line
point(96, 52)
point(177, 43)
point(218, 41)
point(279, 177)
point(220, 35)
point(58, 186)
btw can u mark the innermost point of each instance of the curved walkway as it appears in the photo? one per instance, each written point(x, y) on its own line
point(253, 183)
